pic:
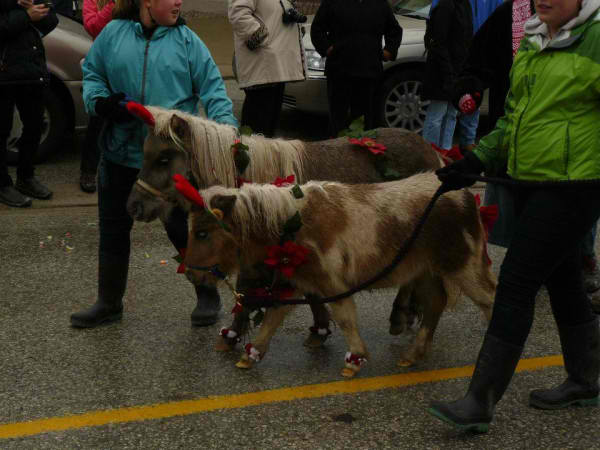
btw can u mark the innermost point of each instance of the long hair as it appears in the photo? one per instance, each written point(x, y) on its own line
point(126, 9)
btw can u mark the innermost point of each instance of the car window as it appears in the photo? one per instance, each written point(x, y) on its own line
point(412, 8)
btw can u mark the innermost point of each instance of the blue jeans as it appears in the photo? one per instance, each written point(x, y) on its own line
point(439, 125)
point(467, 128)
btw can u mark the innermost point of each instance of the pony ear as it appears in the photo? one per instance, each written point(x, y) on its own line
point(181, 128)
point(223, 204)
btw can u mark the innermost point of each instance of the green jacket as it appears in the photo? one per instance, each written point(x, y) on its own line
point(551, 126)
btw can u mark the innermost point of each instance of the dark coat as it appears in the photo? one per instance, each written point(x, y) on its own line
point(355, 29)
point(22, 54)
point(447, 41)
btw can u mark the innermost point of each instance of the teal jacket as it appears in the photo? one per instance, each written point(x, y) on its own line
point(173, 69)
point(551, 127)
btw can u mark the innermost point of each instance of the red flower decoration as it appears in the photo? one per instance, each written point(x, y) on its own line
point(286, 257)
point(187, 190)
point(282, 182)
point(181, 268)
point(240, 181)
point(139, 111)
point(281, 293)
point(489, 215)
point(448, 156)
point(369, 144)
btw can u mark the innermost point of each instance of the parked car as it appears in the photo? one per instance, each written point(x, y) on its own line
point(64, 111)
point(399, 102)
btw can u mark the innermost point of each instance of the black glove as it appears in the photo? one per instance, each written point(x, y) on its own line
point(452, 177)
point(110, 109)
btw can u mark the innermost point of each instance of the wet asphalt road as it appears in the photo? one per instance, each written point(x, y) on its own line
point(154, 356)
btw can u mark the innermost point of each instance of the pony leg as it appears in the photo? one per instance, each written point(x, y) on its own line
point(432, 294)
point(321, 321)
point(273, 318)
point(344, 314)
point(240, 326)
point(404, 310)
point(479, 284)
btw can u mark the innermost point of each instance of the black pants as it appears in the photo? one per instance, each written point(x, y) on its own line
point(114, 185)
point(545, 250)
point(349, 98)
point(262, 108)
point(28, 100)
point(90, 154)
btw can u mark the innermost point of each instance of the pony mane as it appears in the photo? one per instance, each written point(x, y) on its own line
point(211, 157)
point(263, 208)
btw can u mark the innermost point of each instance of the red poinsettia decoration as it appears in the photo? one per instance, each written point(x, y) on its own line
point(139, 111)
point(449, 156)
point(489, 215)
point(370, 144)
point(280, 293)
point(283, 182)
point(181, 268)
point(187, 190)
point(287, 257)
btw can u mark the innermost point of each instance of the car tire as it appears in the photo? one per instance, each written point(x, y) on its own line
point(54, 129)
point(400, 104)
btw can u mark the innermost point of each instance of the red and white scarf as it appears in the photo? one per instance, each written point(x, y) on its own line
point(521, 12)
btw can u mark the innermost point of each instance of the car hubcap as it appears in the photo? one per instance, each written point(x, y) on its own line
point(404, 107)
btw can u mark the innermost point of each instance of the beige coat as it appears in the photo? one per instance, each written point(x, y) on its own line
point(279, 58)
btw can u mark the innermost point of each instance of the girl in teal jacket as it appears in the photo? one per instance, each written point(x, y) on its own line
point(549, 133)
point(148, 54)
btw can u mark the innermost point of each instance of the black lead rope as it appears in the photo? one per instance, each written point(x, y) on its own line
point(268, 301)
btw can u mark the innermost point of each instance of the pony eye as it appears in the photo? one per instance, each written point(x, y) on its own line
point(200, 235)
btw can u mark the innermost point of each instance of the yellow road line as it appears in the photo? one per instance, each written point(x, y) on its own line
point(184, 408)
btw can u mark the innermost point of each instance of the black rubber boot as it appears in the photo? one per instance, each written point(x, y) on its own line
point(580, 348)
point(33, 188)
point(208, 306)
point(495, 366)
point(112, 280)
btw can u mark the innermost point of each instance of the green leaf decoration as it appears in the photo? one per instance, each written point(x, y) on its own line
point(258, 317)
point(391, 174)
point(178, 258)
point(358, 124)
point(293, 224)
point(297, 191)
point(343, 133)
point(245, 130)
point(241, 158)
point(370, 134)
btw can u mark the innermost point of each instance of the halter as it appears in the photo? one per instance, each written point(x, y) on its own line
point(151, 190)
point(217, 273)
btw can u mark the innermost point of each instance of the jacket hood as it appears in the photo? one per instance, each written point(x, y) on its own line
point(534, 26)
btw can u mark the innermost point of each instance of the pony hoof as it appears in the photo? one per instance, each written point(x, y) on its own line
point(348, 373)
point(244, 364)
point(315, 340)
point(224, 344)
point(396, 329)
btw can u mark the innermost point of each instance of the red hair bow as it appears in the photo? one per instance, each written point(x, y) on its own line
point(187, 190)
point(138, 110)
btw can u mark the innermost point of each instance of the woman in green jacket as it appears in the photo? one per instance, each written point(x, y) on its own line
point(549, 133)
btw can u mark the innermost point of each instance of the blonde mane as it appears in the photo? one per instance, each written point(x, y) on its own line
point(263, 209)
point(211, 157)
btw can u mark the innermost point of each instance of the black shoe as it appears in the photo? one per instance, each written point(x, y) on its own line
point(495, 366)
point(580, 347)
point(10, 196)
point(87, 182)
point(33, 188)
point(98, 314)
point(112, 280)
point(207, 308)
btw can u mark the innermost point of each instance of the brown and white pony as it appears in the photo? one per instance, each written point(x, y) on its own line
point(351, 232)
point(187, 144)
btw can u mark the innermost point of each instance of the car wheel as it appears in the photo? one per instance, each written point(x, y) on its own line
point(54, 127)
point(400, 102)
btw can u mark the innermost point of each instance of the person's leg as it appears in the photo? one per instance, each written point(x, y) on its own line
point(467, 130)
point(551, 224)
point(276, 102)
point(259, 110)
point(30, 104)
point(208, 303)
point(90, 155)
point(114, 185)
point(8, 194)
point(338, 96)
point(440, 121)
point(361, 101)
